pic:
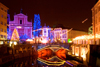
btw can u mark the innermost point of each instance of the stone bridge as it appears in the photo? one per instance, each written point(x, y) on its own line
point(59, 51)
point(54, 50)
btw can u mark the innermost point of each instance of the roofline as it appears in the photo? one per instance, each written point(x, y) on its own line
point(95, 4)
point(4, 6)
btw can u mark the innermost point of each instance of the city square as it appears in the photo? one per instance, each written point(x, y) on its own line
point(51, 33)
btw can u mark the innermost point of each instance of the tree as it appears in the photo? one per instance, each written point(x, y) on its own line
point(15, 35)
point(36, 25)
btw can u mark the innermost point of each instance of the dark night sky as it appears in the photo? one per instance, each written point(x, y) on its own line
point(70, 13)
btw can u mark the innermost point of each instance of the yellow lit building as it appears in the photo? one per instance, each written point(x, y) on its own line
point(74, 33)
point(3, 22)
point(96, 18)
point(84, 46)
point(66, 35)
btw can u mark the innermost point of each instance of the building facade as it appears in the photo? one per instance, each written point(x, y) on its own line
point(59, 34)
point(74, 33)
point(44, 35)
point(3, 22)
point(65, 35)
point(96, 18)
point(87, 46)
point(22, 25)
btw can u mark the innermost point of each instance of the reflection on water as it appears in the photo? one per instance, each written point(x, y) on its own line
point(46, 58)
point(48, 53)
point(27, 62)
point(23, 62)
point(51, 57)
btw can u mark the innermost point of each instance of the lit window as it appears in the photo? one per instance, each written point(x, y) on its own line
point(20, 21)
point(63, 36)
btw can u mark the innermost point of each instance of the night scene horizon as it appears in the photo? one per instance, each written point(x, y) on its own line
point(50, 33)
point(69, 13)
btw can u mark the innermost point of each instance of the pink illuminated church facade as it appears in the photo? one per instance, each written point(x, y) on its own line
point(22, 25)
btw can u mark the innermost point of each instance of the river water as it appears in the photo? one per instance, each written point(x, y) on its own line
point(45, 58)
point(28, 62)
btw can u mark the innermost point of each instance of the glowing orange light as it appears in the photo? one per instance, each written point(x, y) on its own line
point(19, 27)
point(44, 41)
point(61, 54)
point(45, 54)
point(87, 37)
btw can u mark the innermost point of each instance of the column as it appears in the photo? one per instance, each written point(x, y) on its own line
point(79, 51)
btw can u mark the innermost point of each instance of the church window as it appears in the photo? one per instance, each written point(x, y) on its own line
point(44, 31)
point(20, 21)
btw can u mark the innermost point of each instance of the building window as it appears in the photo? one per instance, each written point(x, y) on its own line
point(63, 31)
point(5, 31)
point(44, 31)
point(20, 21)
point(1, 36)
point(99, 8)
point(1, 22)
point(96, 20)
point(5, 17)
point(5, 11)
point(4, 36)
point(99, 28)
point(1, 30)
point(96, 11)
point(2, 16)
point(92, 13)
point(96, 29)
point(65, 36)
point(1, 8)
point(99, 19)
point(5, 24)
